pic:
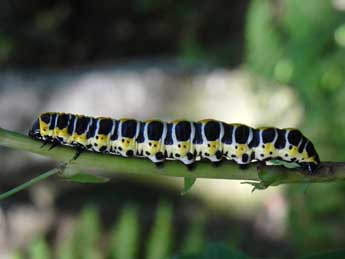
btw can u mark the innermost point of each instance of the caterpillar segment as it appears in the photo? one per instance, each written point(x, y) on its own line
point(236, 143)
point(208, 140)
point(150, 142)
point(177, 140)
point(263, 144)
point(128, 131)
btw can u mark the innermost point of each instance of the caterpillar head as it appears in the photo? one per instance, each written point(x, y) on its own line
point(35, 130)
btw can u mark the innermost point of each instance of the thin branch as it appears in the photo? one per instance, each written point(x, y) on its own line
point(269, 175)
point(27, 184)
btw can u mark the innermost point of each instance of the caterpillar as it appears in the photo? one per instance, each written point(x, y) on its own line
point(181, 140)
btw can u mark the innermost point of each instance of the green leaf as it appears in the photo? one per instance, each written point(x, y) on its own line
point(188, 183)
point(284, 163)
point(86, 178)
point(125, 235)
point(269, 178)
point(256, 185)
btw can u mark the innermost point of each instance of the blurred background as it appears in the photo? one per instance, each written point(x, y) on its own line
point(258, 62)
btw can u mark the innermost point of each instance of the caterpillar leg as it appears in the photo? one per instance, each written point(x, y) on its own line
point(45, 142)
point(54, 144)
point(217, 163)
point(159, 164)
point(79, 149)
point(243, 166)
point(190, 167)
point(158, 159)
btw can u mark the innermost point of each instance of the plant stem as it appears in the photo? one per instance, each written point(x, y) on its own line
point(332, 171)
point(27, 184)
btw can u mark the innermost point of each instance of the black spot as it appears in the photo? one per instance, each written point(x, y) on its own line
point(183, 131)
point(206, 154)
point(227, 137)
point(233, 156)
point(177, 155)
point(105, 126)
point(95, 144)
point(82, 124)
point(155, 130)
point(242, 134)
point(268, 135)
point(159, 156)
point(88, 146)
point(294, 137)
point(155, 145)
point(123, 140)
point(190, 156)
point(262, 155)
point(179, 146)
point(147, 153)
point(129, 153)
point(97, 137)
point(103, 148)
point(209, 145)
point(219, 154)
point(290, 147)
point(129, 128)
point(271, 153)
point(120, 148)
point(263, 146)
point(212, 130)
point(45, 117)
point(62, 121)
point(150, 144)
point(245, 158)
point(236, 147)
point(286, 155)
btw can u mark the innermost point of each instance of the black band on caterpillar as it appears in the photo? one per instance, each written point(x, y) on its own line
point(178, 140)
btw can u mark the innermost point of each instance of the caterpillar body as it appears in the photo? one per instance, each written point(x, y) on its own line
point(177, 140)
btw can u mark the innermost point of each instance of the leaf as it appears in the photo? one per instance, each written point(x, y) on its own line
point(269, 178)
point(284, 163)
point(188, 183)
point(86, 178)
point(256, 185)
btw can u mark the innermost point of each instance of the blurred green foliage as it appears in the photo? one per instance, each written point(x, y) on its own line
point(301, 43)
point(125, 240)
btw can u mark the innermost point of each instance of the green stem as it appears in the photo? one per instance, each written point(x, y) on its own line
point(115, 164)
point(33, 181)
